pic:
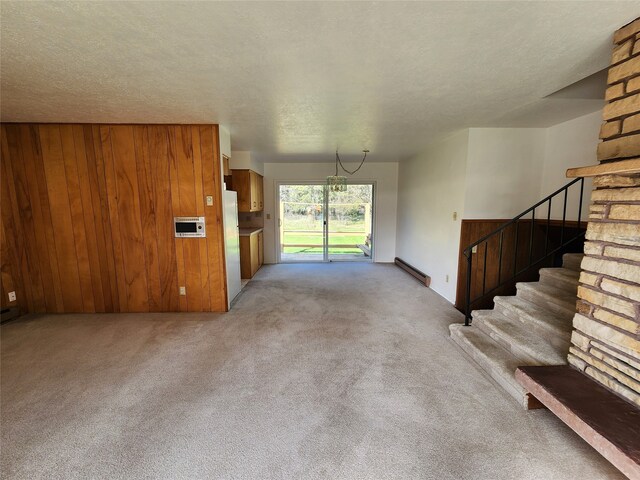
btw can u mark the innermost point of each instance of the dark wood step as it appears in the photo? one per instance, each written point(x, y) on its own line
point(605, 421)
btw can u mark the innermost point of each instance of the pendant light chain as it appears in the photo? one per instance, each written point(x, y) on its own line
point(342, 166)
point(338, 183)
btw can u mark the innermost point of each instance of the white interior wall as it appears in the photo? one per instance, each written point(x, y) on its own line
point(570, 144)
point(245, 160)
point(431, 187)
point(385, 175)
point(504, 170)
point(478, 173)
point(225, 140)
point(487, 173)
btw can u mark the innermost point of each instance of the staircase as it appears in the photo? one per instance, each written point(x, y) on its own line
point(531, 328)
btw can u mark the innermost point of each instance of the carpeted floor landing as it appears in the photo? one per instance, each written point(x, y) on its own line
point(332, 371)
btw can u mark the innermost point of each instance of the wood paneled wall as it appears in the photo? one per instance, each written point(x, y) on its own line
point(473, 230)
point(87, 217)
point(7, 268)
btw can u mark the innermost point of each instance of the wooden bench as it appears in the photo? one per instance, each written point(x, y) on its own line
point(605, 421)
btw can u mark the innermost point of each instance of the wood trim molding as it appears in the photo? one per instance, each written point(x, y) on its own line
point(539, 221)
point(622, 167)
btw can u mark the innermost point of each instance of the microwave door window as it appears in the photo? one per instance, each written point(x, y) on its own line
point(186, 227)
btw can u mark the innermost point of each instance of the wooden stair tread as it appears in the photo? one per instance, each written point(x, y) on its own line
point(608, 423)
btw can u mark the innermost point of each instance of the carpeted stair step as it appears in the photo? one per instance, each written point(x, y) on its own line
point(520, 340)
point(497, 362)
point(551, 298)
point(547, 323)
point(572, 261)
point(563, 278)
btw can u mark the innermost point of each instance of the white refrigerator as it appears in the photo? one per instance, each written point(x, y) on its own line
point(231, 244)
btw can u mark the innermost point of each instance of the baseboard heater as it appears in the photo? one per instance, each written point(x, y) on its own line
point(7, 314)
point(413, 271)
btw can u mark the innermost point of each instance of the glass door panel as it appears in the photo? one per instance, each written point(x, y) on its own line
point(302, 223)
point(349, 223)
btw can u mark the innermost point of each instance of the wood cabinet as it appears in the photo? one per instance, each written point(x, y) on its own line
point(251, 253)
point(249, 186)
point(226, 171)
point(259, 182)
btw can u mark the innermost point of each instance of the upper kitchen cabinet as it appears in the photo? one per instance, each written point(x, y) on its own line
point(249, 186)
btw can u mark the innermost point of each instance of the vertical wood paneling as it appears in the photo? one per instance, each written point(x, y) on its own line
point(89, 222)
point(124, 161)
point(111, 192)
point(473, 230)
point(160, 165)
point(13, 231)
point(11, 269)
point(46, 215)
point(104, 234)
point(146, 188)
point(186, 185)
point(7, 276)
point(23, 218)
point(201, 242)
point(54, 166)
point(177, 212)
point(77, 217)
point(42, 229)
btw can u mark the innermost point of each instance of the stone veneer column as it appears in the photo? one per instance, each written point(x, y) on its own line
point(606, 336)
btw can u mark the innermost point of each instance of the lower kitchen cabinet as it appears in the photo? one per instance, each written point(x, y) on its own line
point(251, 253)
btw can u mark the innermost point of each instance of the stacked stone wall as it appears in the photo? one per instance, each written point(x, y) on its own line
point(605, 343)
point(620, 131)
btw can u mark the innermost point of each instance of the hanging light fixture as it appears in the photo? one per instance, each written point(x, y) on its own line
point(338, 183)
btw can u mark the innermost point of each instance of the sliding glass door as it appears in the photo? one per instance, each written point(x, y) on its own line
point(318, 225)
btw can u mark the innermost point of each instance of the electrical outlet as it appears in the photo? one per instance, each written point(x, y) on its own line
point(474, 249)
point(183, 290)
point(455, 216)
point(12, 296)
point(209, 199)
point(268, 216)
point(446, 278)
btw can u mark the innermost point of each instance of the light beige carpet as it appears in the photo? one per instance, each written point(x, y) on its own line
point(338, 371)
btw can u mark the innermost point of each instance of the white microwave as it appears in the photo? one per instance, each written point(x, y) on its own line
point(189, 227)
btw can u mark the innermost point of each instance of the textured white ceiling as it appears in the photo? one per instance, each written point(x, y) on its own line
point(296, 80)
